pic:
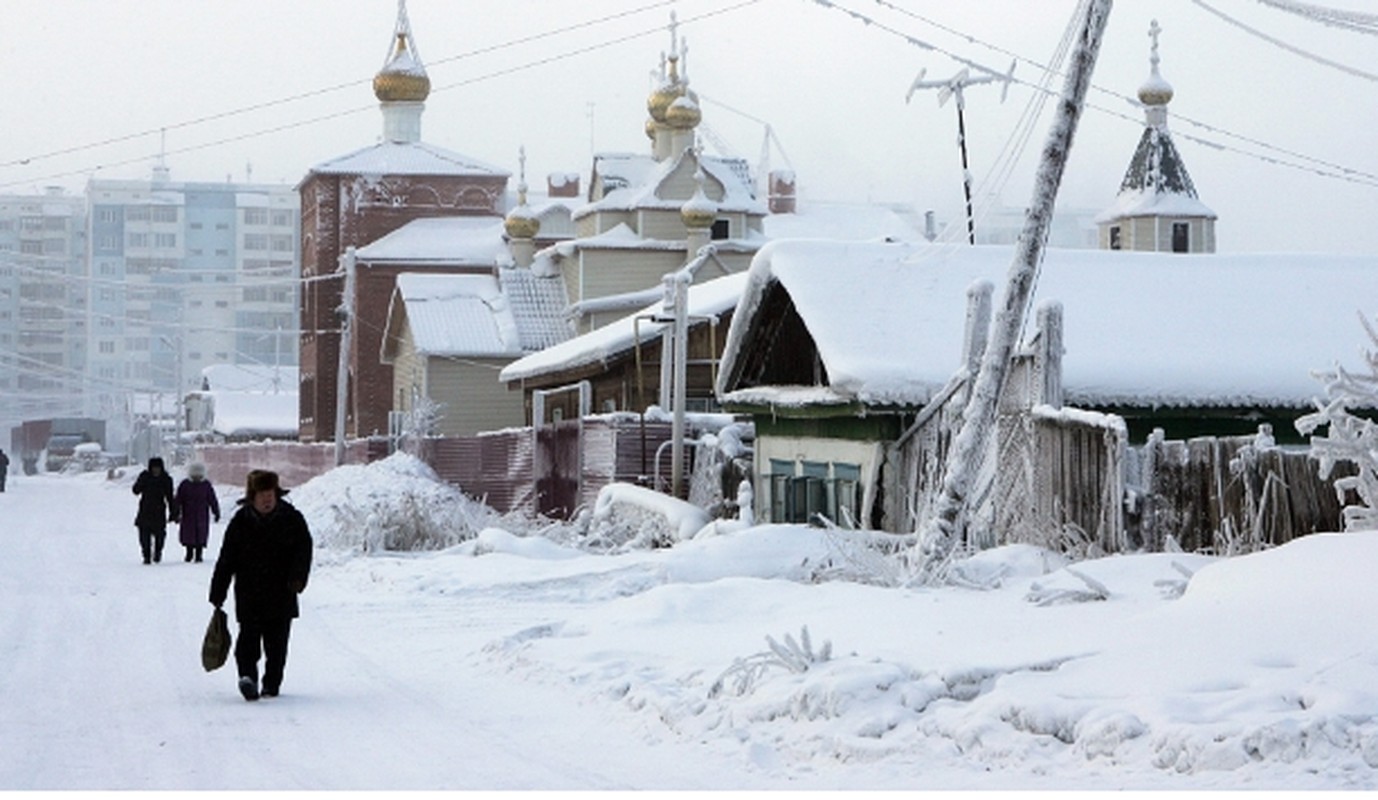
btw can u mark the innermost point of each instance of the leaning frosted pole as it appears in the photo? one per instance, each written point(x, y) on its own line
point(941, 531)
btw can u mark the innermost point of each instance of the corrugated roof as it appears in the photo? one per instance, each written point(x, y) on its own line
point(459, 315)
point(707, 299)
point(538, 305)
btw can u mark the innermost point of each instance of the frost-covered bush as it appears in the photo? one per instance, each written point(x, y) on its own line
point(628, 517)
point(792, 656)
point(398, 503)
point(1350, 438)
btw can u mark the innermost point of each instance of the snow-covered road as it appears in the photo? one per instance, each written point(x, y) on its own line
point(511, 661)
point(101, 685)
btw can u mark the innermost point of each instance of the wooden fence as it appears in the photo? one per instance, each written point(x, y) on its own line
point(1227, 495)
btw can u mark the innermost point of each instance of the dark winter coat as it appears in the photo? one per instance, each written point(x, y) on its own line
point(196, 502)
point(268, 558)
point(156, 503)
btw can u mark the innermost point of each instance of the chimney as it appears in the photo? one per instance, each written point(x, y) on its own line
point(562, 184)
point(781, 192)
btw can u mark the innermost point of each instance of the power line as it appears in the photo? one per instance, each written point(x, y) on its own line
point(360, 109)
point(1348, 20)
point(1276, 42)
point(318, 92)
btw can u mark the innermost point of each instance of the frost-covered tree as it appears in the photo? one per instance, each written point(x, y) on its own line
point(1349, 437)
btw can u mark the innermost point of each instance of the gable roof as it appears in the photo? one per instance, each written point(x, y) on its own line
point(452, 315)
point(633, 181)
point(1140, 329)
point(406, 158)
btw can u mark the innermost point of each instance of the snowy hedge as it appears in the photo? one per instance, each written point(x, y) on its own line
point(398, 503)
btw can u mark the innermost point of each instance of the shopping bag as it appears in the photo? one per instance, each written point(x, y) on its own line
point(215, 648)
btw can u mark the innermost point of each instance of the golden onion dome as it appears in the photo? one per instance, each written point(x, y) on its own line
point(684, 113)
point(521, 223)
point(668, 92)
point(659, 101)
point(1155, 91)
point(698, 211)
point(402, 79)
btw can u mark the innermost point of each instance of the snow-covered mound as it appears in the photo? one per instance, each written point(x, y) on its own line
point(398, 503)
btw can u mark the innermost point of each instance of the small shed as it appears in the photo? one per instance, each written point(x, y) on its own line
point(446, 338)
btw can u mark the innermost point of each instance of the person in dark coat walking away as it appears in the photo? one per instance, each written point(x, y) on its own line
point(266, 552)
point(156, 508)
point(4, 469)
point(196, 503)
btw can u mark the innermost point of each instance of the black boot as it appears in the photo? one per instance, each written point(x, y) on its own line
point(198, 554)
point(188, 556)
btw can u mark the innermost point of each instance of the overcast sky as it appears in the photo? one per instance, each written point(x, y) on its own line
point(76, 73)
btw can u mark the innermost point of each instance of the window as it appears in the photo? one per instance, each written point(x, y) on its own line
point(196, 226)
point(138, 239)
point(107, 241)
point(164, 240)
point(107, 347)
point(255, 241)
point(107, 214)
point(282, 243)
point(1181, 237)
point(256, 294)
point(721, 230)
point(136, 213)
point(282, 219)
point(800, 490)
point(164, 214)
point(1115, 237)
point(255, 216)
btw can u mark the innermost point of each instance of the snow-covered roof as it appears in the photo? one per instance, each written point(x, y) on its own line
point(406, 158)
point(632, 181)
point(248, 377)
point(455, 315)
point(845, 221)
point(710, 298)
point(1140, 329)
point(441, 240)
point(1156, 182)
point(538, 305)
point(250, 414)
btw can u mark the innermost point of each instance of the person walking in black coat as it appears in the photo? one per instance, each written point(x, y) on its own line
point(156, 508)
point(266, 552)
point(4, 469)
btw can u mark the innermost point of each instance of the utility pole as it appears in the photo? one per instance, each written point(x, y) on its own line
point(681, 289)
point(953, 87)
point(943, 527)
point(346, 313)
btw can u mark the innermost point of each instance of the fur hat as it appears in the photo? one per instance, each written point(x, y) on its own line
point(261, 480)
point(196, 469)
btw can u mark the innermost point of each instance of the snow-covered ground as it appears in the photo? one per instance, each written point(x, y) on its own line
point(740, 659)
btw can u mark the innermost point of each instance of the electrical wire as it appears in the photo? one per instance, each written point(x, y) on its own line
point(326, 90)
point(356, 110)
point(1276, 42)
